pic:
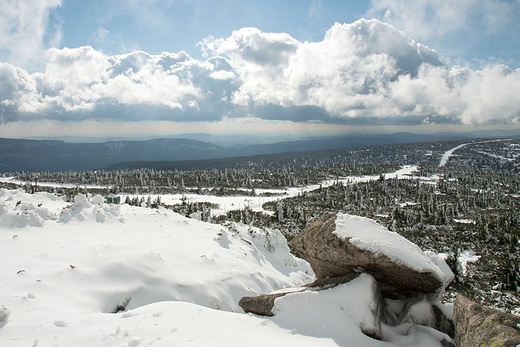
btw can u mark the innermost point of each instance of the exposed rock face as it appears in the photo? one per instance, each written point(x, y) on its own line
point(476, 325)
point(261, 304)
point(443, 322)
point(331, 256)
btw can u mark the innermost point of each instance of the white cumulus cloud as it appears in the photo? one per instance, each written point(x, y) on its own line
point(433, 18)
point(365, 72)
point(23, 30)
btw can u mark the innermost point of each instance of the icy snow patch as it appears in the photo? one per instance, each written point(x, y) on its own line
point(440, 261)
point(367, 234)
point(466, 257)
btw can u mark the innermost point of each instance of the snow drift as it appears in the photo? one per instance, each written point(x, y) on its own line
point(92, 274)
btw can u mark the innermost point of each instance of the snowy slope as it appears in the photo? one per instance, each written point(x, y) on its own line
point(176, 281)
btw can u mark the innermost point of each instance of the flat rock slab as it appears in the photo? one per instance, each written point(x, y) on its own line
point(263, 304)
point(339, 244)
point(476, 325)
point(355, 303)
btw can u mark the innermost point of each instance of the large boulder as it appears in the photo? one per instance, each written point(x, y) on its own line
point(476, 325)
point(342, 244)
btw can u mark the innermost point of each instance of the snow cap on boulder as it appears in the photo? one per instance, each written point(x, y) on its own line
point(339, 244)
point(355, 306)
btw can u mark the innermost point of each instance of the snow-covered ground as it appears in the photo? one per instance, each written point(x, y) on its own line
point(464, 258)
point(67, 268)
point(227, 203)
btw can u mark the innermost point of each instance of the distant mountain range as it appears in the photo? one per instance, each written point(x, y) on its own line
point(45, 155)
point(51, 155)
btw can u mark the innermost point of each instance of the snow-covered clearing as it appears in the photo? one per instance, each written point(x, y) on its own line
point(176, 281)
point(463, 221)
point(227, 203)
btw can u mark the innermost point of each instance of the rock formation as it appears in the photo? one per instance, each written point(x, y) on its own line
point(331, 255)
point(358, 298)
point(372, 268)
point(261, 304)
point(389, 279)
point(476, 325)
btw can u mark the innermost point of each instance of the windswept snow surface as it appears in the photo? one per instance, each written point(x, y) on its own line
point(176, 282)
point(367, 234)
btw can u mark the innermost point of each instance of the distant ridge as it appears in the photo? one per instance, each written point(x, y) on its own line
point(341, 142)
point(47, 155)
point(52, 155)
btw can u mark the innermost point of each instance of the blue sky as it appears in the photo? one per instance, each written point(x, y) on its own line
point(172, 26)
point(457, 33)
point(279, 68)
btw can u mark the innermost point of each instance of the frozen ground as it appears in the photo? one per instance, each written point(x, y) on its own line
point(91, 274)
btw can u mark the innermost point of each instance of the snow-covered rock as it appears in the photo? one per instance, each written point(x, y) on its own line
point(98, 200)
point(24, 214)
point(355, 306)
point(83, 208)
point(339, 244)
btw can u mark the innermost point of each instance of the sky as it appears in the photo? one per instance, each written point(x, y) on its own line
point(157, 68)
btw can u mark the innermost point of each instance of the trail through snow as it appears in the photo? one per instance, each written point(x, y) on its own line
point(446, 156)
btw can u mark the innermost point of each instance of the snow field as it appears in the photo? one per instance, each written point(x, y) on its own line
point(176, 281)
point(72, 262)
